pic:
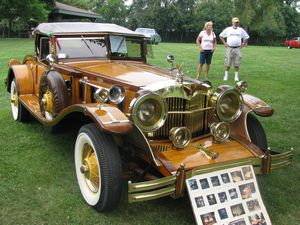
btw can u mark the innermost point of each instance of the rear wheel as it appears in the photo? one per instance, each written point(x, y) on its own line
point(289, 47)
point(256, 132)
point(19, 112)
point(98, 168)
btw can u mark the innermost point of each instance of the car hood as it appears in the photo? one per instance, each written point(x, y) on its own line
point(132, 73)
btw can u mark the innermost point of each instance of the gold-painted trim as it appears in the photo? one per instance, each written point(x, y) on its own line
point(151, 194)
point(150, 185)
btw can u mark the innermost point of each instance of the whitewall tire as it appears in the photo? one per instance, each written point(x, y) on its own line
point(98, 168)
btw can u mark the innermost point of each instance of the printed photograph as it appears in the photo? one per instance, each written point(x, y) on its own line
point(193, 184)
point(236, 176)
point(208, 218)
point(215, 181)
point(237, 210)
point(233, 193)
point(199, 202)
point(222, 197)
point(247, 172)
point(204, 183)
point(223, 213)
point(247, 190)
point(211, 199)
point(225, 178)
point(238, 222)
point(253, 205)
point(257, 219)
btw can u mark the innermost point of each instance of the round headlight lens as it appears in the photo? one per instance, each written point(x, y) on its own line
point(229, 105)
point(220, 131)
point(180, 136)
point(149, 112)
point(116, 94)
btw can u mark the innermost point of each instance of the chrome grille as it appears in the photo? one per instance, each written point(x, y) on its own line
point(183, 112)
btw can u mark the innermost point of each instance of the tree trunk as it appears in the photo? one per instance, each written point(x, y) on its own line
point(10, 26)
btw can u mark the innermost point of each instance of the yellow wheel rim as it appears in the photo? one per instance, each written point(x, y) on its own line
point(47, 101)
point(90, 168)
point(15, 98)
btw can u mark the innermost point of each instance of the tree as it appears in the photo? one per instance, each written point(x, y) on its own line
point(26, 10)
point(291, 18)
point(262, 18)
point(113, 11)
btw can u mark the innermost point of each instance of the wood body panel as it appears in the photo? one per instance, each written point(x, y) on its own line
point(172, 158)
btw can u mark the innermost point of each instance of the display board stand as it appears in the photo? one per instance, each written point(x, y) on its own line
point(229, 197)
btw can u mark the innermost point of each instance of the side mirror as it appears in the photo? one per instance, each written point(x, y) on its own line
point(170, 59)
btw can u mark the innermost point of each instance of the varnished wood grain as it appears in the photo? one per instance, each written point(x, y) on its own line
point(192, 157)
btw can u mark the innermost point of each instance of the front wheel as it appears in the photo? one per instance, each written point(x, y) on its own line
point(19, 112)
point(289, 47)
point(98, 168)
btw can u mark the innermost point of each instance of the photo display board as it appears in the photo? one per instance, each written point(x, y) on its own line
point(227, 197)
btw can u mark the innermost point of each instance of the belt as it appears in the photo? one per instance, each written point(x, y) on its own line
point(234, 46)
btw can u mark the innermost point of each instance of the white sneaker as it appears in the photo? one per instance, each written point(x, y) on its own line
point(236, 78)
point(225, 77)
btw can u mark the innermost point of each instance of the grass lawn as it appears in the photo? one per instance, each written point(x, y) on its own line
point(37, 178)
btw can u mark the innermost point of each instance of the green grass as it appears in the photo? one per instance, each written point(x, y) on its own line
point(37, 178)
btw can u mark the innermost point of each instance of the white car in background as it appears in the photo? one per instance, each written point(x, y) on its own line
point(150, 34)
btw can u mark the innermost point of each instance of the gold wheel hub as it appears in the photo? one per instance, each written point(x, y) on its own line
point(14, 99)
point(90, 167)
point(47, 101)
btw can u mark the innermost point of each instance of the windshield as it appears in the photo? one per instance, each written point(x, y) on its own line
point(150, 31)
point(81, 47)
point(130, 47)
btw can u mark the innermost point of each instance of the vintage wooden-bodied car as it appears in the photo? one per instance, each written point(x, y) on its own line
point(153, 126)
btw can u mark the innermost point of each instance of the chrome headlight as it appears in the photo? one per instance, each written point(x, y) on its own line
point(180, 136)
point(220, 131)
point(116, 94)
point(229, 105)
point(101, 95)
point(149, 112)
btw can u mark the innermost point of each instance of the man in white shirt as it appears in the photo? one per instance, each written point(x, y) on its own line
point(236, 38)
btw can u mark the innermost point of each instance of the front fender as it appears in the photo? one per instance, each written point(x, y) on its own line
point(258, 106)
point(24, 79)
point(109, 118)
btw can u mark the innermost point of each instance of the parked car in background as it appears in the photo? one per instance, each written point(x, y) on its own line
point(293, 43)
point(153, 126)
point(151, 34)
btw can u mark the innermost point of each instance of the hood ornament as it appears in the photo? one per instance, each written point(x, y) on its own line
point(179, 74)
point(175, 71)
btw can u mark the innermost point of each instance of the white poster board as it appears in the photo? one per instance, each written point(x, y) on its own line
point(227, 197)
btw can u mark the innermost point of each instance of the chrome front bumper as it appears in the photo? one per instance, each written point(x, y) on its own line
point(174, 185)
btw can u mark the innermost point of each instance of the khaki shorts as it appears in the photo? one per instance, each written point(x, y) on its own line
point(233, 54)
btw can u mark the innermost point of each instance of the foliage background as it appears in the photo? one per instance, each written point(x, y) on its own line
point(37, 177)
point(268, 22)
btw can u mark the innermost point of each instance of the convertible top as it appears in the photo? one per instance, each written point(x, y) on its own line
point(82, 27)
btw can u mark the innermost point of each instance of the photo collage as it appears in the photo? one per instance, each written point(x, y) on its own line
point(227, 197)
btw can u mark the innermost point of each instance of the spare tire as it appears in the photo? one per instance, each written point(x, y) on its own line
point(53, 94)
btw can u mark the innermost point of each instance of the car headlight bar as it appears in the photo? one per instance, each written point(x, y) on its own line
point(115, 94)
